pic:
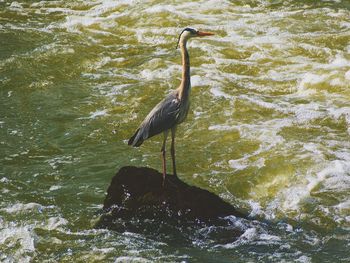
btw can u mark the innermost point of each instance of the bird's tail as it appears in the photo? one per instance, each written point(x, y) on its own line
point(135, 140)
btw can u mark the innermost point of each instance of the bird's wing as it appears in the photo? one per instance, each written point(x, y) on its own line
point(163, 117)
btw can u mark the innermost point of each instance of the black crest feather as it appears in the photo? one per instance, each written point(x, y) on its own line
point(192, 30)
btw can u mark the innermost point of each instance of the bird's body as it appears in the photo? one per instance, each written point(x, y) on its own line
point(173, 109)
point(168, 113)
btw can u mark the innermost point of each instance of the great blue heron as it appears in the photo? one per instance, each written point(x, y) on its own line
point(173, 109)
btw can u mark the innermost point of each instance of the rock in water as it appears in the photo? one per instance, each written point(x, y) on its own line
point(137, 193)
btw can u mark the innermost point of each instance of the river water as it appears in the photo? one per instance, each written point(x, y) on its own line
point(268, 129)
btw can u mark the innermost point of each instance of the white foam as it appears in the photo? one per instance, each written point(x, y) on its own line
point(101, 14)
point(55, 187)
point(16, 5)
point(262, 103)
point(239, 164)
point(20, 207)
point(245, 162)
point(22, 238)
point(131, 259)
point(162, 8)
point(307, 112)
point(336, 82)
point(303, 259)
point(253, 234)
point(308, 80)
point(154, 39)
point(161, 73)
point(315, 150)
point(102, 62)
point(117, 89)
point(73, 23)
point(196, 81)
point(217, 92)
point(338, 62)
point(55, 223)
point(5, 180)
point(220, 127)
point(336, 175)
point(333, 176)
point(266, 132)
point(337, 113)
point(256, 208)
point(270, 238)
point(249, 234)
point(347, 75)
point(98, 113)
point(249, 34)
point(344, 205)
point(107, 6)
point(56, 161)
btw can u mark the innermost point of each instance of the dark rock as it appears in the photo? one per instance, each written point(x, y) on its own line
point(136, 195)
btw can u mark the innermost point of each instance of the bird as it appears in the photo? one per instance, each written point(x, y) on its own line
point(173, 109)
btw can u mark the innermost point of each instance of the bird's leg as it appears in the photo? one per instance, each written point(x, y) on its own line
point(172, 149)
point(163, 155)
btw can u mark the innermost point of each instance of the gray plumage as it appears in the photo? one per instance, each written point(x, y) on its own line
point(165, 115)
point(173, 109)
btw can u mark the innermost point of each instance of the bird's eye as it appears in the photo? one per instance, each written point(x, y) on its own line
point(194, 31)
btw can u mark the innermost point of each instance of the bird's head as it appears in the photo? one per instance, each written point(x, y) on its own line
point(188, 32)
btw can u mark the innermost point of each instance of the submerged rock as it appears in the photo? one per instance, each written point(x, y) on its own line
point(136, 196)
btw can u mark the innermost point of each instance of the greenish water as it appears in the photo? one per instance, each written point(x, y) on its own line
point(268, 129)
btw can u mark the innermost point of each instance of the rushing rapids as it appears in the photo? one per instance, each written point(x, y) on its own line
point(268, 128)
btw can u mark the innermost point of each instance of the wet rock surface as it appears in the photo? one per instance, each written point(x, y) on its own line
point(137, 201)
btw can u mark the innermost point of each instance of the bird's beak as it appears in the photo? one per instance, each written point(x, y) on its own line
point(203, 34)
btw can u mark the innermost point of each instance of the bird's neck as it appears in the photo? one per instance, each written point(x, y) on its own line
point(185, 85)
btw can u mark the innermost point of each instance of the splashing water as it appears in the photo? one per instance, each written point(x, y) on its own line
point(268, 128)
